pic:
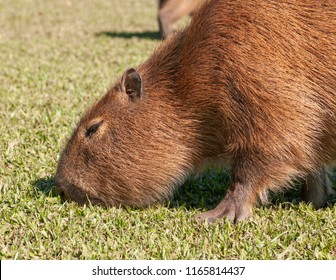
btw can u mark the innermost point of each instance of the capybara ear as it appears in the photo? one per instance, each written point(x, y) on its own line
point(131, 83)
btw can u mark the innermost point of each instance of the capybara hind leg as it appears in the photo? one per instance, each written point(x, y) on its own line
point(317, 187)
point(237, 204)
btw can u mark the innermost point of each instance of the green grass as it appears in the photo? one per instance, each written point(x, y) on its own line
point(56, 58)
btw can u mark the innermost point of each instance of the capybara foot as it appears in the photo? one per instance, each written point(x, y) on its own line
point(231, 208)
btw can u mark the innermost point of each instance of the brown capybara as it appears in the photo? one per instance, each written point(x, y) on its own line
point(248, 84)
point(170, 11)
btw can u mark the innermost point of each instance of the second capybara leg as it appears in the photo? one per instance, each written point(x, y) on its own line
point(317, 187)
point(165, 24)
point(170, 11)
point(164, 18)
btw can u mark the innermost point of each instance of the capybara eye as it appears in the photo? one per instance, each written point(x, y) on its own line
point(93, 129)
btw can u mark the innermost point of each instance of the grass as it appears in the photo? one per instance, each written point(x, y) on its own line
point(56, 58)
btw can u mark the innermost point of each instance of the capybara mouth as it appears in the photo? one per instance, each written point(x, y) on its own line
point(71, 192)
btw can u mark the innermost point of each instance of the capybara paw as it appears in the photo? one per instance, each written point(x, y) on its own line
point(212, 216)
point(227, 210)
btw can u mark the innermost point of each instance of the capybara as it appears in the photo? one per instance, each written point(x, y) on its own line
point(170, 11)
point(248, 84)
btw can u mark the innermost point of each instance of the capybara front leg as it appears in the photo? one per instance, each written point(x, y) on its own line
point(237, 204)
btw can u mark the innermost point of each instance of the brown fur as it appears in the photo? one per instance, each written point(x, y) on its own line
point(249, 84)
point(170, 11)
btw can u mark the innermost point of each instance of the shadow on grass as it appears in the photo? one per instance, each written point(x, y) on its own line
point(153, 35)
point(209, 189)
point(46, 185)
point(202, 192)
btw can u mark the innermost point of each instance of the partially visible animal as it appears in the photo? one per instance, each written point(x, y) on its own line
point(170, 11)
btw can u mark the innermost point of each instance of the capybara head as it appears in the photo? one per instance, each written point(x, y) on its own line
point(124, 151)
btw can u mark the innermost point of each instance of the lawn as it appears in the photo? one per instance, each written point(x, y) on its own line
point(57, 58)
